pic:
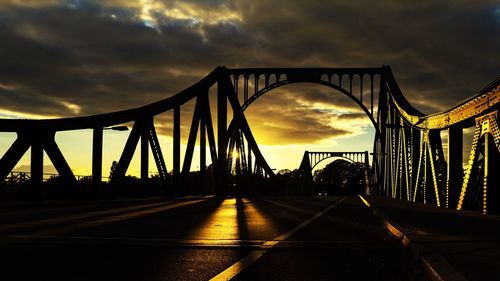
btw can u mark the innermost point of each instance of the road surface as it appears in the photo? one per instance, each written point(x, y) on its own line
point(267, 238)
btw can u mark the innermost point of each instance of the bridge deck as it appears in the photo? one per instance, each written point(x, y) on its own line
point(269, 238)
point(287, 238)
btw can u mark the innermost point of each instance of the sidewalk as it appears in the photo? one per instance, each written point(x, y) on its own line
point(458, 245)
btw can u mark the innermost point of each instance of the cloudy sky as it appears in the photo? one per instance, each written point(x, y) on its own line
point(83, 57)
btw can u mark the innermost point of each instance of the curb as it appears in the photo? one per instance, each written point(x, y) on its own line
point(434, 264)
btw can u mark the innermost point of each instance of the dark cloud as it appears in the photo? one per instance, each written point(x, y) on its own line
point(19, 100)
point(283, 119)
point(351, 116)
point(107, 55)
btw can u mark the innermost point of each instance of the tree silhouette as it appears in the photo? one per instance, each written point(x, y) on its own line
point(340, 177)
point(112, 171)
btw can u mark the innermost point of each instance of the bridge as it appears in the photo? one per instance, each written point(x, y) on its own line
point(408, 163)
point(408, 160)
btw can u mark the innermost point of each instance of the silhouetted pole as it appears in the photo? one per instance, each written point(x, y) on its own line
point(97, 157)
point(177, 146)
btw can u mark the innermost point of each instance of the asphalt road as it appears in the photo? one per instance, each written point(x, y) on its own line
point(270, 238)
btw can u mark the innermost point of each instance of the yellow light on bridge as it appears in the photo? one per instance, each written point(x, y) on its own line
point(236, 155)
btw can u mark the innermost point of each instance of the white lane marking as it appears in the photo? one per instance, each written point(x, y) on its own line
point(240, 265)
point(364, 201)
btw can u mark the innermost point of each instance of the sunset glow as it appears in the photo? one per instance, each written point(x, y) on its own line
point(132, 53)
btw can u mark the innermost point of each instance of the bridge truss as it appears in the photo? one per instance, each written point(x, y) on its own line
point(408, 157)
point(313, 158)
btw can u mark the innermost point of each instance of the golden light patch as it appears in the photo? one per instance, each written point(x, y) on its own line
point(190, 11)
point(8, 114)
point(74, 108)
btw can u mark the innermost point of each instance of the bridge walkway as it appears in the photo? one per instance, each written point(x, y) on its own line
point(458, 245)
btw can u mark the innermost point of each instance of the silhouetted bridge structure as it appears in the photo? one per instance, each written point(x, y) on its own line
point(408, 158)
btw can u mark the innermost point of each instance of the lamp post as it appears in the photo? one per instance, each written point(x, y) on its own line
point(117, 128)
point(97, 152)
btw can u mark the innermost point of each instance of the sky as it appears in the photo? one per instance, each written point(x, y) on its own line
point(84, 57)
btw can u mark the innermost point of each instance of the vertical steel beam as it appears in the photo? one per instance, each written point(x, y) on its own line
point(236, 85)
point(249, 160)
point(485, 177)
point(36, 168)
point(222, 92)
point(256, 83)
point(176, 145)
point(144, 155)
point(245, 88)
point(455, 169)
point(97, 157)
point(350, 84)
point(424, 182)
point(361, 88)
point(366, 179)
point(381, 122)
point(371, 94)
point(203, 147)
point(207, 117)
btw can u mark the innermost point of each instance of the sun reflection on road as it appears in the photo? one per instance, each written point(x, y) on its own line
point(221, 224)
point(234, 219)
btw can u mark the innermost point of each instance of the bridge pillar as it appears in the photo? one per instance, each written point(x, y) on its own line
point(381, 123)
point(144, 157)
point(203, 155)
point(366, 179)
point(177, 147)
point(455, 169)
point(222, 88)
point(36, 168)
point(415, 159)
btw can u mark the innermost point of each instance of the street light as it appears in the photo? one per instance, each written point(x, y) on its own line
point(117, 128)
point(97, 152)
